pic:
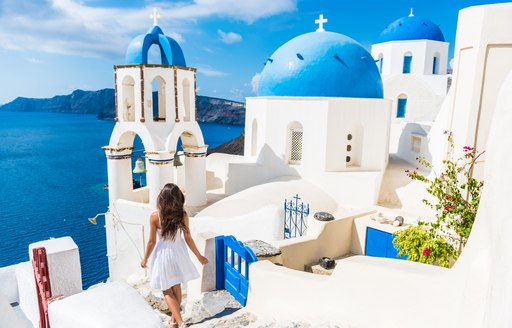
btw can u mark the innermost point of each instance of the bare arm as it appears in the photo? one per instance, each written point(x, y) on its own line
point(152, 239)
point(191, 244)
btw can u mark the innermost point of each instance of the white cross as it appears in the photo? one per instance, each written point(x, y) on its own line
point(155, 16)
point(411, 13)
point(320, 21)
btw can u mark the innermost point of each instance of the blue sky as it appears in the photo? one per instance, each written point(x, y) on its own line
point(51, 47)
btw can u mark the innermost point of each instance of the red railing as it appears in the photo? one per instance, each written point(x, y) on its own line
point(43, 288)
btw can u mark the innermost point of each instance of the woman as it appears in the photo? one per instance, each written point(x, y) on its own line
point(170, 262)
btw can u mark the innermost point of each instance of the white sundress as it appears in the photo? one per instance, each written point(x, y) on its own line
point(170, 262)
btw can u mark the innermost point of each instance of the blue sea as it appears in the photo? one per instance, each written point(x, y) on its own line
point(52, 175)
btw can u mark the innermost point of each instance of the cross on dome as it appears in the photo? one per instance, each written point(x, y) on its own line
point(155, 16)
point(411, 13)
point(320, 21)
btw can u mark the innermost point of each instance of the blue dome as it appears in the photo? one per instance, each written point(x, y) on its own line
point(321, 64)
point(170, 50)
point(411, 28)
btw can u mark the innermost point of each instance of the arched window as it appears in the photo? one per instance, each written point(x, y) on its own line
point(128, 99)
point(158, 98)
point(295, 137)
point(401, 106)
point(254, 137)
point(155, 55)
point(435, 63)
point(380, 62)
point(186, 99)
point(407, 63)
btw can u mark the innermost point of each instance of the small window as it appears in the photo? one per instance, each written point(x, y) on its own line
point(416, 144)
point(401, 107)
point(347, 159)
point(407, 64)
point(349, 136)
point(434, 66)
point(296, 146)
point(349, 147)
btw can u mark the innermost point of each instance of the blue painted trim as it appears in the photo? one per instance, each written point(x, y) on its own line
point(219, 262)
point(401, 107)
point(407, 64)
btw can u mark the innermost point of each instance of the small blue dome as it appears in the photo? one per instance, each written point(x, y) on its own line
point(170, 50)
point(411, 28)
point(321, 64)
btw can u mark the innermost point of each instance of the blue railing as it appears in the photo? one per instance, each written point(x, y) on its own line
point(295, 214)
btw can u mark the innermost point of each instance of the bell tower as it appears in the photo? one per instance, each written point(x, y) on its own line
point(156, 102)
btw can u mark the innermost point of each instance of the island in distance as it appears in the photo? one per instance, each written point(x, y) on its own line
point(102, 104)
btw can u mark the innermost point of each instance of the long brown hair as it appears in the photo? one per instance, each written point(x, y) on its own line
point(172, 214)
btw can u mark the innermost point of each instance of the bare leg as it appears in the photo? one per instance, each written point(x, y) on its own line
point(176, 289)
point(173, 305)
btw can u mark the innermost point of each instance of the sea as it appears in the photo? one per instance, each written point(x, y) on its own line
point(52, 177)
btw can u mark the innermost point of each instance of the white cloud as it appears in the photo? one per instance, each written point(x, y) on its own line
point(74, 27)
point(229, 37)
point(247, 11)
point(34, 60)
point(255, 82)
point(210, 72)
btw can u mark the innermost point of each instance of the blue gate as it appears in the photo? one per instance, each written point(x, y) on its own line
point(232, 265)
point(294, 218)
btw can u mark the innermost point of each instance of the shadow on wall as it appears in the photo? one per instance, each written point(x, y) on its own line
point(268, 166)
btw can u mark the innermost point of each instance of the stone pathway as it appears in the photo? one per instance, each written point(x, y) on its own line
point(216, 309)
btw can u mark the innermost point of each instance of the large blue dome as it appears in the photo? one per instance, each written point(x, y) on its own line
point(170, 50)
point(411, 28)
point(321, 64)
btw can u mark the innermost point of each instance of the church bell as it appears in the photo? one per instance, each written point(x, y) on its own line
point(139, 166)
point(176, 161)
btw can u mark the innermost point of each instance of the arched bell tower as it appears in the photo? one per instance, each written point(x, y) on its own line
point(156, 102)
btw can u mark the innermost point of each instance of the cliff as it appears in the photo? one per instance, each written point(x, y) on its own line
point(233, 147)
point(101, 103)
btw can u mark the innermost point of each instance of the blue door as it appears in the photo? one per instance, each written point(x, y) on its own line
point(380, 244)
point(232, 266)
point(407, 64)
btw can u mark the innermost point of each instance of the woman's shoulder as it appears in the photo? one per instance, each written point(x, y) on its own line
point(154, 217)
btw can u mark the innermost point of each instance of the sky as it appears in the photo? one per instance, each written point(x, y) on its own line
point(52, 47)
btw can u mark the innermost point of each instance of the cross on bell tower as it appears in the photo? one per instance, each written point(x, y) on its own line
point(320, 21)
point(155, 16)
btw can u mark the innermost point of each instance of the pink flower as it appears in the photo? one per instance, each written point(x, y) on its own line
point(407, 171)
point(468, 148)
point(447, 197)
point(446, 132)
point(426, 252)
point(417, 168)
point(449, 207)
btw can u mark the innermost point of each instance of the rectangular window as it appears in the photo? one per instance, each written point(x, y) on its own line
point(416, 144)
point(407, 64)
point(400, 110)
point(434, 66)
point(296, 146)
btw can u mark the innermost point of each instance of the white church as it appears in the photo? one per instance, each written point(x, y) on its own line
point(337, 125)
